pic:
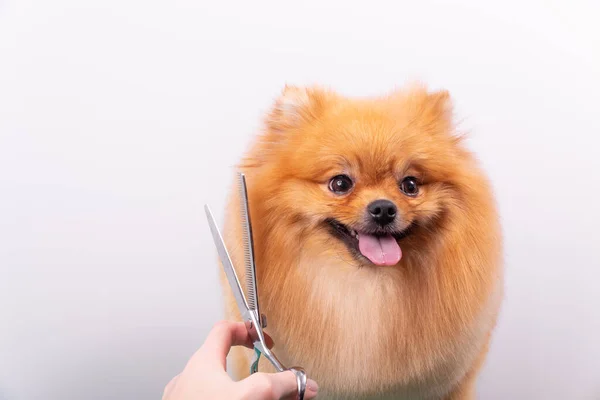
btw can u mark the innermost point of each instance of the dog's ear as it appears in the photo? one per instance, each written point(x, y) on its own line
point(439, 110)
point(295, 107)
point(430, 105)
point(432, 111)
point(439, 105)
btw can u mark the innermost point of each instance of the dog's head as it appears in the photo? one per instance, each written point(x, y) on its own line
point(371, 174)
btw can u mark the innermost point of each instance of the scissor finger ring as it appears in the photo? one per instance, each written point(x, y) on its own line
point(300, 380)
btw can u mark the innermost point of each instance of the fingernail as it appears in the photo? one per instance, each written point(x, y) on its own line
point(312, 386)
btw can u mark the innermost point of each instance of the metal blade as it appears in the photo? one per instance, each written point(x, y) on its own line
point(251, 289)
point(227, 265)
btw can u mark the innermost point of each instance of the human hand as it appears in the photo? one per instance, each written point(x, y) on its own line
point(205, 375)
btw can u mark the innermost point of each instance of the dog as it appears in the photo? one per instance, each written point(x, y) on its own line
point(377, 242)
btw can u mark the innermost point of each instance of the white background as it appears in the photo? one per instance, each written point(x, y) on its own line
point(119, 119)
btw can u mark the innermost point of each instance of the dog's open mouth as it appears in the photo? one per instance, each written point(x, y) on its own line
point(379, 247)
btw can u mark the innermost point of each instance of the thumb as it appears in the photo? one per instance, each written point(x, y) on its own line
point(277, 386)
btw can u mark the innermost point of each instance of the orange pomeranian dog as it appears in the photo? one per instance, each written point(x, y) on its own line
point(377, 245)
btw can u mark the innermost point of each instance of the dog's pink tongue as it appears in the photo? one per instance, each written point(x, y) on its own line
point(382, 250)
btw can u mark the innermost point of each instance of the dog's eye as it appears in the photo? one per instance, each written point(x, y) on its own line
point(409, 186)
point(340, 184)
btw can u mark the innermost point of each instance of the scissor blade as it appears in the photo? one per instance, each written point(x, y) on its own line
point(227, 264)
point(251, 290)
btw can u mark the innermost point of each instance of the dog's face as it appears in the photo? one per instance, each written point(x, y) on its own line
point(370, 174)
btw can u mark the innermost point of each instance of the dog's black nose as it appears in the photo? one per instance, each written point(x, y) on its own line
point(382, 211)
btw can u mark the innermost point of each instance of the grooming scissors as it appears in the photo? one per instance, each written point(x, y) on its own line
point(248, 305)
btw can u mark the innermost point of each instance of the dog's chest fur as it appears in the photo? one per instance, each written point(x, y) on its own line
point(364, 342)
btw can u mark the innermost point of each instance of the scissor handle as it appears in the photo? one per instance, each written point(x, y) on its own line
point(300, 381)
point(298, 371)
point(260, 348)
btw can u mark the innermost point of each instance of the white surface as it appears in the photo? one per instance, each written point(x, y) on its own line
point(120, 119)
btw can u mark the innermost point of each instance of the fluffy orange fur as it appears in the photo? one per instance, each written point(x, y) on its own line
point(417, 330)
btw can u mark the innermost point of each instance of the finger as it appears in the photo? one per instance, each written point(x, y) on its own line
point(220, 339)
point(169, 388)
point(276, 386)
